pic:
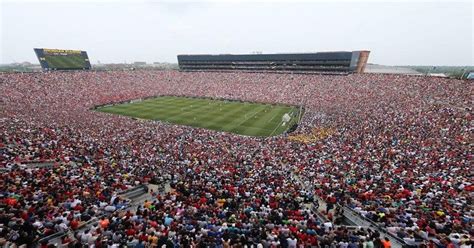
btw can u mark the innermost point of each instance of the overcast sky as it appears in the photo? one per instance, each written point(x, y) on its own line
point(404, 33)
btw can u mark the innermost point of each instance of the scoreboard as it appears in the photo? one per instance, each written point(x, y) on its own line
point(62, 59)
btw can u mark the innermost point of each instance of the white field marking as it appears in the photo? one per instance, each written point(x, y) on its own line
point(186, 112)
point(280, 124)
point(182, 113)
point(275, 128)
point(246, 119)
point(273, 116)
point(260, 128)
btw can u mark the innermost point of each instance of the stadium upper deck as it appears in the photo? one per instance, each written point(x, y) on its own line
point(321, 62)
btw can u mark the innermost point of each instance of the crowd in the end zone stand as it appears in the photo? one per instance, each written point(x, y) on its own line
point(400, 155)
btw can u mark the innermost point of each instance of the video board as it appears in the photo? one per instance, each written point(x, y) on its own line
point(63, 59)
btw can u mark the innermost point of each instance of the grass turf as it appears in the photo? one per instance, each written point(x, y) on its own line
point(244, 118)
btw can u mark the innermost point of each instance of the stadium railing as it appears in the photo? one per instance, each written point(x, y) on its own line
point(359, 219)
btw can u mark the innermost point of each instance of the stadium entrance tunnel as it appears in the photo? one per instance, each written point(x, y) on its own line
point(234, 116)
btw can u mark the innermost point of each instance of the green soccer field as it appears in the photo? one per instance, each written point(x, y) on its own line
point(244, 118)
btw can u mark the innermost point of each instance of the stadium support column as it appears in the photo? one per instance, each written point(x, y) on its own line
point(362, 61)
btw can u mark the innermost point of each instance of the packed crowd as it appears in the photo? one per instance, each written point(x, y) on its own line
point(399, 153)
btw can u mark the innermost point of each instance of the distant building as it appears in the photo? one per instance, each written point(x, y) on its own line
point(437, 75)
point(139, 63)
point(470, 76)
point(386, 69)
